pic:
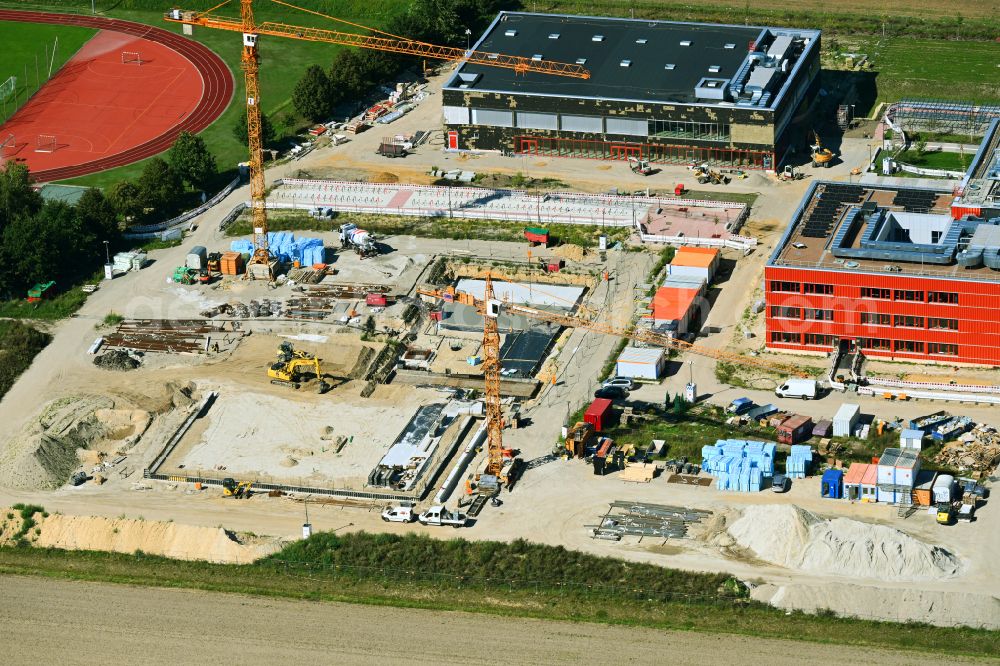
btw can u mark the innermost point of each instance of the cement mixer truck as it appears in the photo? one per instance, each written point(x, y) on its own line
point(362, 241)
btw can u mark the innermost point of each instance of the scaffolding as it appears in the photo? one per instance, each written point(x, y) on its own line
point(944, 117)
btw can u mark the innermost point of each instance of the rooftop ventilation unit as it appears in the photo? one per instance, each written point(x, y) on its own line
point(714, 69)
point(641, 40)
point(510, 33)
point(536, 57)
point(686, 42)
point(625, 63)
point(553, 35)
point(597, 38)
point(581, 61)
point(670, 66)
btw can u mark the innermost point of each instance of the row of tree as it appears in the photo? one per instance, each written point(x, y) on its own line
point(355, 71)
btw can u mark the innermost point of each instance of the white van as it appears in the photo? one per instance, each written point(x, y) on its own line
point(797, 388)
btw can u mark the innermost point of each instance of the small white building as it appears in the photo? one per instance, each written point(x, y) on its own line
point(911, 439)
point(845, 419)
point(641, 363)
point(897, 474)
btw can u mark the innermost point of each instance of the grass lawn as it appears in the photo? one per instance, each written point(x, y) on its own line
point(28, 44)
point(19, 344)
point(430, 227)
point(59, 307)
point(937, 160)
point(283, 62)
point(965, 71)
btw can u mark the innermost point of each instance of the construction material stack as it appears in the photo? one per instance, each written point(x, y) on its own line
point(799, 461)
point(739, 465)
point(232, 263)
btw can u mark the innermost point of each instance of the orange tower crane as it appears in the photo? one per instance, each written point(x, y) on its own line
point(490, 308)
point(379, 40)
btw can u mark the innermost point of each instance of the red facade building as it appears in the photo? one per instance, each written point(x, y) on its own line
point(847, 270)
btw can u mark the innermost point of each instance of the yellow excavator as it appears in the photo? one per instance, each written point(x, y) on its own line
point(821, 157)
point(236, 489)
point(293, 367)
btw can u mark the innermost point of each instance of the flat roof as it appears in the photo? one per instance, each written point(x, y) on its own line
point(695, 257)
point(826, 210)
point(671, 303)
point(864, 474)
point(628, 59)
point(643, 355)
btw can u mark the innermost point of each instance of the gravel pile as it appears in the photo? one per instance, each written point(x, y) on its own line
point(116, 360)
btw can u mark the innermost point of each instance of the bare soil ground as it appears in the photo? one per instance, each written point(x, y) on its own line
point(118, 623)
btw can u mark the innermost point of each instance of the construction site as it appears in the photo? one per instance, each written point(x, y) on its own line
point(626, 395)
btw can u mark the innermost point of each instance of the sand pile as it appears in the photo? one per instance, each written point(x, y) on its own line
point(795, 538)
point(44, 455)
point(127, 535)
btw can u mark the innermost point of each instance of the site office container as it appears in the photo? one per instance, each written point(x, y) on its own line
point(599, 414)
point(795, 429)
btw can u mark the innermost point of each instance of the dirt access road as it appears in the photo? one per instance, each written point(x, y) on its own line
point(116, 623)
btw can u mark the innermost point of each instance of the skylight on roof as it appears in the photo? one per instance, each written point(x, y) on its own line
point(669, 65)
point(641, 40)
point(686, 42)
point(553, 35)
point(510, 33)
point(536, 57)
point(597, 38)
point(730, 46)
point(714, 69)
point(581, 61)
point(625, 63)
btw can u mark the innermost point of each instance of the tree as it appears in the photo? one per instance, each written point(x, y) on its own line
point(369, 327)
point(50, 244)
point(313, 94)
point(98, 215)
point(191, 160)
point(126, 198)
point(680, 405)
point(267, 133)
point(159, 185)
point(349, 74)
point(16, 195)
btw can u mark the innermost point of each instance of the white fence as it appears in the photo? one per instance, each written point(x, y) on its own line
point(733, 242)
point(931, 386)
point(944, 173)
point(928, 395)
point(147, 231)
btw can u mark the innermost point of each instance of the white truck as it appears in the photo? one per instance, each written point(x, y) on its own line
point(797, 388)
point(439, 515)
point(363, 242)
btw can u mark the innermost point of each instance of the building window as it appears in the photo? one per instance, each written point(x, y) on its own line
point(818, 315)
point(492, 117)
point(810, 288)
point(943, 324)
point(875, 343)
point(787, 338)
point(544, 121)
point(788, 287)
point(905, 295)
point(906, 321)
point(874, 292)
point(942, 349)
point(626, 126)
point(909, 346)
point(875, 319)
point(819, 340)
point(686, 130)
point(785, 313)
point(942, 297)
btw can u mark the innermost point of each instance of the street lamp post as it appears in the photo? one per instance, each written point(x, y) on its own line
point(468, 39)
point(107, 253)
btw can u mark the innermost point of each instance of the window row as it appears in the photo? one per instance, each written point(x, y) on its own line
point(874, 344)
point(810, 314)
point(906, 321)
point(912, 296)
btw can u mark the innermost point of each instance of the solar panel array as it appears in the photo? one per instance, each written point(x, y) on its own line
point(915, 201)
point(830, 203)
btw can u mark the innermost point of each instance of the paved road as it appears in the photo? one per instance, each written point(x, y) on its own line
point(64, 622)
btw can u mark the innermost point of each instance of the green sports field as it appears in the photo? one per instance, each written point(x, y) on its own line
point(24, 44)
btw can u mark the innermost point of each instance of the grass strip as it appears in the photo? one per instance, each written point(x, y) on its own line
point(412, 589)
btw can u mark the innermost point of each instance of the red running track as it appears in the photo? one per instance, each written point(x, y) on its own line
point(124, 97)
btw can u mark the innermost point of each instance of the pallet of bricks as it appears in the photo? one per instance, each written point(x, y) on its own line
point(232, 263)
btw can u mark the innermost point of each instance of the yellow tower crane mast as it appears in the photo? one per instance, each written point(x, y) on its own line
point(378, 40)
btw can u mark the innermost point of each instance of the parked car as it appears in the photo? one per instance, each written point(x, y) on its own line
point(611, 393)
point(439, 515)
point(622, 382)
point(398, 514)
point(740, 406)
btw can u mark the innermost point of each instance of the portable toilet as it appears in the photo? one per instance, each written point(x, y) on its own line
point(832, 484)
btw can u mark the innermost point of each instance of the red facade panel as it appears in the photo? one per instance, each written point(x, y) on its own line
point(892, 327)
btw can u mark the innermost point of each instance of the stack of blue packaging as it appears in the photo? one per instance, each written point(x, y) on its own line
point(739, 465)
point(285, 247)
point(799, 461)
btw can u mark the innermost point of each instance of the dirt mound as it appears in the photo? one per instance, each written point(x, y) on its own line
point(44, 454)
point(791, 537)
point(116, 360)
point(384, 177)
point(570, 252)
point(127, 535)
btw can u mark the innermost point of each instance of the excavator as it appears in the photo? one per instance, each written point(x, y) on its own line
point(821, 157)
point(236, 489)
point(292, 367)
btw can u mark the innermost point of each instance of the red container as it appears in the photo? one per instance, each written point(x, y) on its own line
point(598, 414)
point(795, 429)
point(376, 300)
